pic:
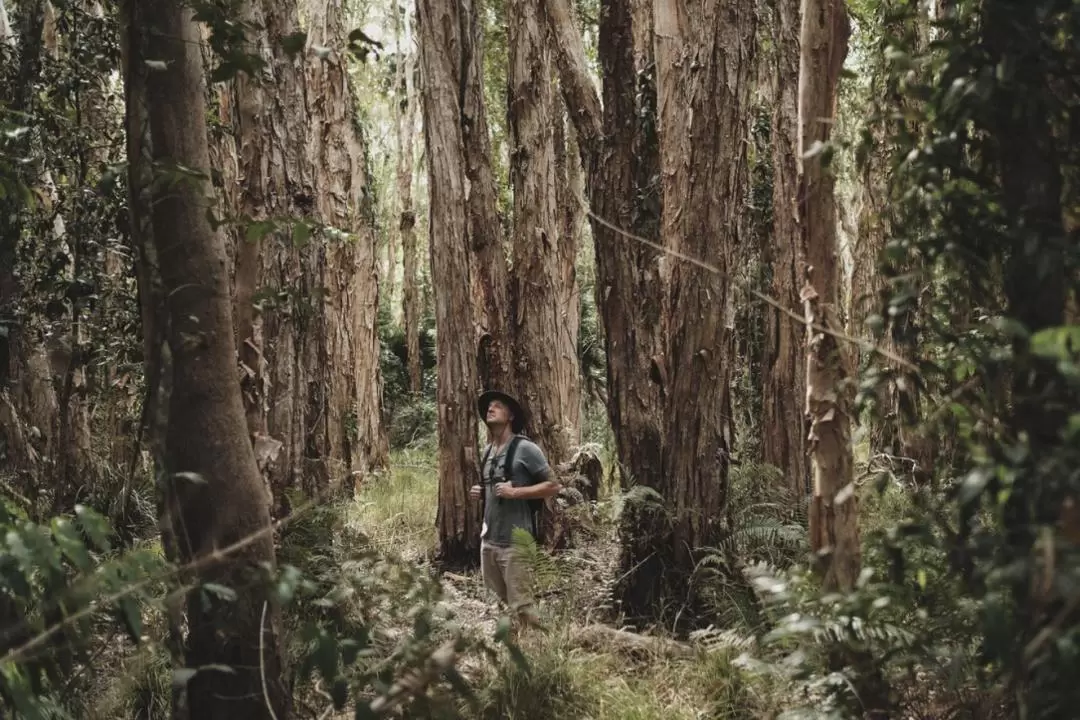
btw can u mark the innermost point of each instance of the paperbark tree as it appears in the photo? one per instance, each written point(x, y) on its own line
point(304, 293)
point(620, 159)
point(545, 366)
point(784, 393)
point(490, 276)
point(457, 517)
point(350, 353)
point(406, 124)
point(214, 496)
point(704, 59)
point(834, 531)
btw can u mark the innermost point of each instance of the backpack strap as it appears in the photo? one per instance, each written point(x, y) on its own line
point(536, 505)
point(508, 463)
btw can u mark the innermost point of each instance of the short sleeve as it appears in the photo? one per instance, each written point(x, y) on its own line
point(532, 459)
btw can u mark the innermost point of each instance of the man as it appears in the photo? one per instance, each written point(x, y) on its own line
point(507, 504)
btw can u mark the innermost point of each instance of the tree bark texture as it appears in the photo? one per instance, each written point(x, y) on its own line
point(546, 373)
point(834, 531)
point(406, 125)
point(490, 276)
point(440, 57)
point(620, 158)
point(350, 277)
point(705, 62)
point(214, 494)
point(569, 193)
point(783, 398)
point(304, 297)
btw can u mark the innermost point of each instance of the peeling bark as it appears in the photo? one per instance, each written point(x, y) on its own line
point(406, 125)
point(705, 62)
point(784, 393)
point(545, 375)
point(458, 519)
point(619, 157)
point(834, 531)
point(490, 276)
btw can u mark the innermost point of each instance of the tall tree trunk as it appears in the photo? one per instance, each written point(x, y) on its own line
point(490, 277)
point(204, 438)
point(275, 183)
point(620, 159)
point(834, 508)
point(705, 62)
point(350, 353)
point(784, 394)
point(406, 124)
point(546, 377)
point(457, 517)
point(569, 190)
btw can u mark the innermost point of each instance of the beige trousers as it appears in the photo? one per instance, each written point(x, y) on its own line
point(506, 575)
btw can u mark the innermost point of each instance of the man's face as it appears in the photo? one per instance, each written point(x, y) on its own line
point(498, 413)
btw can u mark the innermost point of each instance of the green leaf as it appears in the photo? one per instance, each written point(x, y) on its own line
point(224, 72)
point(1057, 343)
point(95, 526)
point(69, 542)
point(325, 656)
point(181, 676)
point(285, 589)
point(258, 229)
point(301, 233)
point(294, 43)
point(131, 614)
point(225, 593)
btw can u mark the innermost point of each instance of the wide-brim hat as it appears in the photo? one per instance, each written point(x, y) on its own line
point(485, 399)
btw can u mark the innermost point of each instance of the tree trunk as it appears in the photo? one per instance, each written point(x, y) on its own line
point(214, 495)
point(569, 191)
point(784, 394)
point(406, 124)
point(457, 516)
point(834, 508)
point(705, 60)
point(620, 159)
point(485, 230)
point(350, 355)
point(546, 377)
point(304, 308)
point(275, 183)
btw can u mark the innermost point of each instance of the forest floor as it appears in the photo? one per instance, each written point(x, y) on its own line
point(584, 667)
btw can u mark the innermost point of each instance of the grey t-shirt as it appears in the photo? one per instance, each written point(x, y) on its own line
point(502, 515)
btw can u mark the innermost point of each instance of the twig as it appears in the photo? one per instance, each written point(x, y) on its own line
point(262, 663)
point(861, 342)
point(18, 653)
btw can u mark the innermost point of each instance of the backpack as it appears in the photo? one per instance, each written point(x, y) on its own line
point(535, 504)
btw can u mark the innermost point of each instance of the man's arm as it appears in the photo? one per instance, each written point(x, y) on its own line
point(544, 484)
point(549, 486)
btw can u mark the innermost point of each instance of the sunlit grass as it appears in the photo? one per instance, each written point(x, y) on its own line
point(397, 509)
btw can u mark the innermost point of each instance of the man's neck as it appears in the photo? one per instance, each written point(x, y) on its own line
point(502, 436)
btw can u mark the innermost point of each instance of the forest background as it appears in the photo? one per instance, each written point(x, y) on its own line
point(788, 289)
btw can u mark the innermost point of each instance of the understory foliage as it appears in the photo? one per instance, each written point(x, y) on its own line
point(973, 581)
point(969, 600)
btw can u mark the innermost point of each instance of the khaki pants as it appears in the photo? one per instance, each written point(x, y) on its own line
point(506, 575)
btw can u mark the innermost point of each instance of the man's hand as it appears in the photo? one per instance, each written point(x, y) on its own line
point(506, 490)
point(474, 492)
